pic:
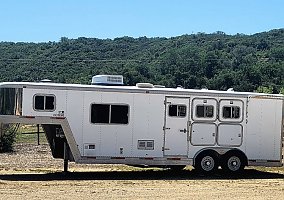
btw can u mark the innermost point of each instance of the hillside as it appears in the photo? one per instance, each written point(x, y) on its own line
point(215, 61)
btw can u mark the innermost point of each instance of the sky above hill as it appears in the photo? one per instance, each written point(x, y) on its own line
point(43, 21)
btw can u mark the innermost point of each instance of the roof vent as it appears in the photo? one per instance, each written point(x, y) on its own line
point(144, 85)
point(107, 80)
point(230, 90)
point(45, 81)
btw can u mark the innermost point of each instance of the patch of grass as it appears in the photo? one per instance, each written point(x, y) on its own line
point(28, 134)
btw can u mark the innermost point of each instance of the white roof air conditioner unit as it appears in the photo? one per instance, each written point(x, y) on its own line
point(107, 80)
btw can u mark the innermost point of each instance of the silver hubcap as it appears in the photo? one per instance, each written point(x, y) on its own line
point(207, 163)
point(234, 163)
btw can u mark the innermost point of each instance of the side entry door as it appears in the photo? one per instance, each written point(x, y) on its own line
point(176, 126)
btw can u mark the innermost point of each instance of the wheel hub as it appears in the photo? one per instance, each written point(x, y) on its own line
point(207, 163)
point(234, 163)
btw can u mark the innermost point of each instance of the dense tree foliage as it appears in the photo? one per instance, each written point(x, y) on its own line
point(214, 61)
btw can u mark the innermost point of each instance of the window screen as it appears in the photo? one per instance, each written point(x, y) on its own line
point(109, 114)
point(231, 112)
point(204, 111)
point(177, 110)
point(44, 102)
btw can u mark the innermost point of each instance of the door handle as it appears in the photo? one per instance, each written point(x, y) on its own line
point(182, 130)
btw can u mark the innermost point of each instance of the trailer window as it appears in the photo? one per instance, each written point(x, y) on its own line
point(44, 102)
point(204, 111)
point(100, 113)
point(231, 112)
point(177, 110)
point(109, 114)
point(119, 114)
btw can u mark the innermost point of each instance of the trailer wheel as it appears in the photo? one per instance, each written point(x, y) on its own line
point(206, 162)
point(233, 162)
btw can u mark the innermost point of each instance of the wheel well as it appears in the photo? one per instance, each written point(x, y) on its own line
point(204, 152)
point(237, 152)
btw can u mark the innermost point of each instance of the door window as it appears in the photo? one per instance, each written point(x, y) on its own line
point(177, 110)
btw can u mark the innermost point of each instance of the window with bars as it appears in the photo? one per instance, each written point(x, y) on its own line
point(231, 112)
point(204, 111)
point(177, 110)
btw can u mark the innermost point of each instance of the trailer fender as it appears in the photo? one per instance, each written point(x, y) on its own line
point(206, 161)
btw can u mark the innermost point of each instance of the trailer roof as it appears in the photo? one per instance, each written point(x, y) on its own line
point(131, 89)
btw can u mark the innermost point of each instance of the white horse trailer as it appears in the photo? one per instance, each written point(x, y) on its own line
point(145, 125)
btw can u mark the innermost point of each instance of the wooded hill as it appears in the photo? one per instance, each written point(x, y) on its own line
point(214, 61)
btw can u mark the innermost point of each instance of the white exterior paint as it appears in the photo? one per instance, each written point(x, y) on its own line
point(257, 132)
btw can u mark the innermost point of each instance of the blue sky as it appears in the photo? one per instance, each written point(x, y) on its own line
point(49, 20)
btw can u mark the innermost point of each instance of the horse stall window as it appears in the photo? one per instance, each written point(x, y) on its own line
point(204, 111)
point(109, 114)
point(231, 112)
point(44, 102)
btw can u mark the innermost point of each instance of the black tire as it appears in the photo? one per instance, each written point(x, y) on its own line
point(207, 162)
point(233, 162)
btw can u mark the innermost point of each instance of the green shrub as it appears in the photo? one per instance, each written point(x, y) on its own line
point(8, 137)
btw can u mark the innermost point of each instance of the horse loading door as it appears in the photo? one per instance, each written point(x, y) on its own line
point(176, 126)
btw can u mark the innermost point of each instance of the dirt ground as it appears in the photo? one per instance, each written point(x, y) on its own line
point(31, 173)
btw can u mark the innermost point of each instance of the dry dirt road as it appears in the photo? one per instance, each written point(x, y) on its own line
point(31, 173)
